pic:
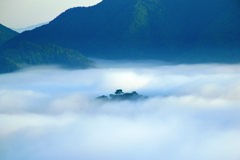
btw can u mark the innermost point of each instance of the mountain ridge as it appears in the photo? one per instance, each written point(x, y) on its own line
point(140, 29)
point(35, 54)
point(6, 34)
point(20, 30)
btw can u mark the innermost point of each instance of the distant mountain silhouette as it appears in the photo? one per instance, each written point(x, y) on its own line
point(121, 96)
point(34, 54)
point(170, 30)
point(12, 55)
point(20, 30)
point(6, 34)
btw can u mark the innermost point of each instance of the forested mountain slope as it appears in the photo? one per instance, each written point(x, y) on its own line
point(30, 53)
point(180, 31)
point(6, 34)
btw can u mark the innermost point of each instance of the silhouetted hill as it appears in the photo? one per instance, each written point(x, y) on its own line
point(171, 30)
point(34, 54)
point(20, 30)
point(121, 96)
point(6, 34)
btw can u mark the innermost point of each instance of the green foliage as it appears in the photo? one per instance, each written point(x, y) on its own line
point(141, 15)
point(142, 29)
point(34, 54)
point(6, 34)
point(7, 65)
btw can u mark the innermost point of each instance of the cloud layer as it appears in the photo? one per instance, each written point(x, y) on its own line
point(192, 113)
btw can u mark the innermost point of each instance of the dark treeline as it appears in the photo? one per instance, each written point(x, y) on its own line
point(34, 54)
point(121, 96)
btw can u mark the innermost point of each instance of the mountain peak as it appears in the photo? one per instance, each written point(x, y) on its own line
point(145, 29)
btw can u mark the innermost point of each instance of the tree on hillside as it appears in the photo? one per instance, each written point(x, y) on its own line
point(119, 91)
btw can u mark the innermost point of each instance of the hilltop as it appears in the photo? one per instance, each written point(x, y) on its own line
point(171, 30)
point(121, 96)
point(11, 57)
point(6, 34)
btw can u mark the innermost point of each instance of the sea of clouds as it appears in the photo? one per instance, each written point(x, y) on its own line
point(192, 113)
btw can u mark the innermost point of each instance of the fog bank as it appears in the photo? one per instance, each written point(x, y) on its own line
point(192, 113)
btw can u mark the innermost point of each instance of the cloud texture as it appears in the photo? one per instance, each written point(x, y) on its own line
point(192, 113)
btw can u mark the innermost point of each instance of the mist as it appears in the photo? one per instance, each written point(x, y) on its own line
point(192, 112)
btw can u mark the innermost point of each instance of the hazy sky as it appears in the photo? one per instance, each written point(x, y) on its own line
point(24, 13)
point(193, 112)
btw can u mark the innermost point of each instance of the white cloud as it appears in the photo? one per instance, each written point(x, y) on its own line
point(192, 113)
